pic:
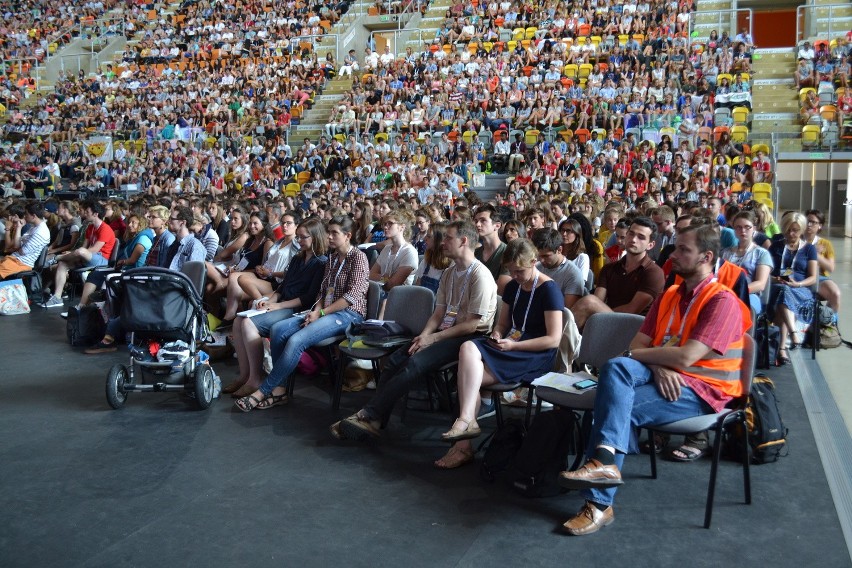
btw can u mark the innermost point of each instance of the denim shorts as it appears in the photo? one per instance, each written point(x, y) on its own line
point(97, 260)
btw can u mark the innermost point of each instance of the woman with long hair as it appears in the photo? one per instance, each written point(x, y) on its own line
point(265, 277)
point(755, 260)
point(825, 258)
point(256, 244)
point(362, 213)
point(573, 246)
point(342, 301)
point(594, 249)
point(434, 261)
point(299, 288)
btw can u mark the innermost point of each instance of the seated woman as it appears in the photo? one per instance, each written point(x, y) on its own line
point(796, 270)
point(573, 246)
point(228, 254)
point(260, 282)
point(397, 262)
point(342, 300)
point(754, 259)
point(522, 346)
point(434, 261)
point(828, 290)
point(247, 258)
point(139, 239)
point(298, 289)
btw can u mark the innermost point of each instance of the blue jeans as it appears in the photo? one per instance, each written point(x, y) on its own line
point(288, 340)
point(628, 399)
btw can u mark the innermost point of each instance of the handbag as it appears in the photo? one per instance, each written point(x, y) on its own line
point(377, 333)
point(13, 298)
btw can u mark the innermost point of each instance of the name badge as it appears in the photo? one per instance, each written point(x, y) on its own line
point(241, 265)
point(787, 272)
point(514, 334)
point(671, 341)
point(449, 320)
point(329, 296)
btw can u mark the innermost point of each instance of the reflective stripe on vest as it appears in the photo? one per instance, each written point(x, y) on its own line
point(720, 371)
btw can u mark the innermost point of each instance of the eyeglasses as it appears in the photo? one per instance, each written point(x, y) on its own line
point(389, 223)
point(287, 223)
point(175, 219)
point(812, 223)
point(302, 237)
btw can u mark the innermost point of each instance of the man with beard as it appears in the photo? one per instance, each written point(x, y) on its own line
point(684, 361)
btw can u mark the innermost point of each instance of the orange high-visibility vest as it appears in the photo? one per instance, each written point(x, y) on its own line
point(720, 371)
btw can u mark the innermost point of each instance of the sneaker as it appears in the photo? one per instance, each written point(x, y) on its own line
point(486, 410)
point(64, 315)
point(371, 384)
point(54, 302)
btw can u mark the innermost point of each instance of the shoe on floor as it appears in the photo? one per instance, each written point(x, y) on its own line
point(356, 428)
point(101, 348)
point(53, 302)
point(592, 474)
point(486, 410)
point(590, 519)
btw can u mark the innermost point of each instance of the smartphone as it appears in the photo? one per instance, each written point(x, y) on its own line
point(585, 384)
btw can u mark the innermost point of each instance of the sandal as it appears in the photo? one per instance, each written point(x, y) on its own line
point(273, 400)
point(471, 430)
point(691, 450)
point(454, 458)
point(245, 404)
point(781, 360)
point(660, 443)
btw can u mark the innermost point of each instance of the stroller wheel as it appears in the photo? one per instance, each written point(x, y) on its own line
point(203, 386)
point(116, 379)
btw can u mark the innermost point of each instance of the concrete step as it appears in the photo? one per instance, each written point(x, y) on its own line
point(833, 27)
point(825, 12)
point(765, 57)
point(770, 126)
point(709, 5)
point(775, 106)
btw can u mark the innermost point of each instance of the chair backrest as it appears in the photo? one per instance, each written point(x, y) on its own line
point(410, 306)
point(196, 270)
point(113, 255)
point(568, 343)
point(42, 259)
point(607, 335)
point(374, 295)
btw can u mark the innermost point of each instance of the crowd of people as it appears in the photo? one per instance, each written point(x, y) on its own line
point(597, 219)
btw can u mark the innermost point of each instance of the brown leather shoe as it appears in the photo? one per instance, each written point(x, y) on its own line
point(590, 519)
point(592, 474)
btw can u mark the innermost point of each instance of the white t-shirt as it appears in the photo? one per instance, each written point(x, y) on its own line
point(389, 262)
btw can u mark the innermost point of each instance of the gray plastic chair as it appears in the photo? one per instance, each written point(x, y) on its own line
point(409, 306)
point(718, 422)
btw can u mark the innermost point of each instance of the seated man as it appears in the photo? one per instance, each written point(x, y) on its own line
point(464, 309)
point(24, 247)
point(629, 285)
point(100, 240)
point(554, 264)
point(684, 361)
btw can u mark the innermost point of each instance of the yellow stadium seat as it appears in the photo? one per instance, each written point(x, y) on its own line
point(810, 135)
point(739, 134)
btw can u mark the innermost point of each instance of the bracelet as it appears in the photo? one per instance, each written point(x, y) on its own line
point(322, 313)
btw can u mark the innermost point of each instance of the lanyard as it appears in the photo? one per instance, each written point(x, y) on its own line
point(391, 257)
point(464, 285)
point(336, 276)
point(529, 303)
point(792, 255)
point(739, 260)
point(684, 317)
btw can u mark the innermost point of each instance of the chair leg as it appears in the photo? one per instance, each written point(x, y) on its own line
point(528, 415)
point(746, 463)
point(711, 487)
point(336, 371)
point(653, 454)
point(498, 408)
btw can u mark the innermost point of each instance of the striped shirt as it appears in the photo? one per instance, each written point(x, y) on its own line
point(32, 242)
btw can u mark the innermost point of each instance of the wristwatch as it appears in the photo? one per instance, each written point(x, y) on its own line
point(627, 353)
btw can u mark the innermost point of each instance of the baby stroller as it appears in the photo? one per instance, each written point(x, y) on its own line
point(160, 308)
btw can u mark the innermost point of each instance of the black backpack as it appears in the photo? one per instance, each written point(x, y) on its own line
point(765, 430)
point(544, 454)
point(501, 451)
point(85, 326)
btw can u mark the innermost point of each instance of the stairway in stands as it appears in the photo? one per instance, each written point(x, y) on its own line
point(775, 102)
point(709, 16)
point(314, 120)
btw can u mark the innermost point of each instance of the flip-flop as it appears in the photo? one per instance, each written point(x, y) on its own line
point(245, 404)
point(272, 400)
point(454, 458)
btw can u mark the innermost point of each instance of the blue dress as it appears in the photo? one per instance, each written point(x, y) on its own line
point(517, 366)
point(797, 300)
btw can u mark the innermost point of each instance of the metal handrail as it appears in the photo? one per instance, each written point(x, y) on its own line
point(732, 23)
point(92, 56)
point(294, 42)
point(806, 11)
point(33, 71)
